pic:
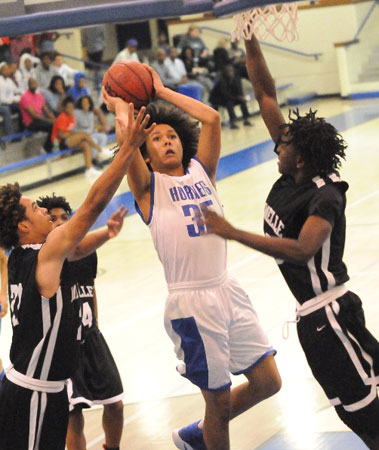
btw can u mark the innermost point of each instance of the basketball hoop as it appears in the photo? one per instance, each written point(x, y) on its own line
point(278, 21)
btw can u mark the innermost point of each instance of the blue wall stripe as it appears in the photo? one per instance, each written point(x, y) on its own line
point(249, 157)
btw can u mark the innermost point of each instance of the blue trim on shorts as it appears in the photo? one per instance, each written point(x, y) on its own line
point(257, 362)
point(193, 348)
point(222, 388)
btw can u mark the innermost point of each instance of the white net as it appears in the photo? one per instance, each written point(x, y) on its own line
point(271, 20)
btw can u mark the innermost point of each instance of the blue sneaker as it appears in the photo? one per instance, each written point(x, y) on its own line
point(189, 437)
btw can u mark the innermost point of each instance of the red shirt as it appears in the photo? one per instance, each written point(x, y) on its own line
point(36, 101)
point(64, 123)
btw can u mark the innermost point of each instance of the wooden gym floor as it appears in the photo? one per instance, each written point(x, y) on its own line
point(131, 292)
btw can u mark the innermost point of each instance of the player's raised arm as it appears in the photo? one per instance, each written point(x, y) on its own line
point(264, 88)
point(138, 172)
point(62, 240)
point(210, 136)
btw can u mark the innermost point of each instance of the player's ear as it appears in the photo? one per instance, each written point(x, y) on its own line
point(23, 226)
point(299, 161)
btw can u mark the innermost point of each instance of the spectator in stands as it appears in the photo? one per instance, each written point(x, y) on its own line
point(228, 92)
point(86, 121)
point(36, 115)
point(79, 90)
point(93, 43)
point(192, 39)
point(176, 67)
point(129, 53)
point(20, 45)
point(45, 72)
point(196, 74)
point(238, 58)
point(55, 95)
point(163, 42)
point(45, 42)
point(63, 132)
point(5, 51)
point(63, 69)
point(16, 77)
point(221, 56)
point(27, 66)
point(9, 100)
point(164, 72)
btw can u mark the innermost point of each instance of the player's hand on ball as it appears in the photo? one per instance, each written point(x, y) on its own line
point(157, 82)
point(111, 102)
point(132, 130)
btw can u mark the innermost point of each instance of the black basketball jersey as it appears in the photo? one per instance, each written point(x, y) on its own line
point(84, 272)
point(45, 331)
point(287, 208)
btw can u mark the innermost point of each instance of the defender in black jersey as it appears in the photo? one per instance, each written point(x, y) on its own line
point(96, 380)
point(304, 217)
point(3, 297)
point(44, 303)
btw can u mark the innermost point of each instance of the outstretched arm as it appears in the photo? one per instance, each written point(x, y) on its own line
point(62, 240)
point(4, 283)
point(210, 136)
point(264, 88)
point(139, 177)
point(313, 234)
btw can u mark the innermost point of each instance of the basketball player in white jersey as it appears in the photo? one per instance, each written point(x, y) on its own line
point(208, 316)
point(44, 304)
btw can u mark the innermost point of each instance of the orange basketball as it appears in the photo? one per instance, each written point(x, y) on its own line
point(131, 81)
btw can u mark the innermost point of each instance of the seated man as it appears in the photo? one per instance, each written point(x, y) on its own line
point(228, 92)
point(176, 66)
point(63, 69)
point(45, 72)
point(63, 133)
point(164, 72)
point(36, 115)
point(9, 99)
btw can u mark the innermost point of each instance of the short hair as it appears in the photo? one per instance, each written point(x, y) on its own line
point(53, 201)
point(11, 214)
point(78, 103)
point(68, 99)
point(43, 54)
point(317, 141)
point(187, 128)
point(52, 87)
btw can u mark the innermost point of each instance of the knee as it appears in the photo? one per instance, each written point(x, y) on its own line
point(274, 384)
point(115, 409)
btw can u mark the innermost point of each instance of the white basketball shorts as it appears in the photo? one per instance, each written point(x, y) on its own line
point(216, 331)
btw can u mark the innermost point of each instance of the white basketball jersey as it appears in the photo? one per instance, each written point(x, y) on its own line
point(187, 255)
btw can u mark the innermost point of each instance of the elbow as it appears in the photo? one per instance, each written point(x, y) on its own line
point(213, 117)
point(302, 258)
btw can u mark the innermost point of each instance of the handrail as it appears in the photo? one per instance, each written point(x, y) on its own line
point(267, 44)
point(95, 64)
point(364, 21)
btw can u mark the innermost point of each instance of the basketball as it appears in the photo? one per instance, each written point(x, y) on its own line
point(131, 81)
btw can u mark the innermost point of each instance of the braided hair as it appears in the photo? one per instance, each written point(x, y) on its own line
point(318, 142)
